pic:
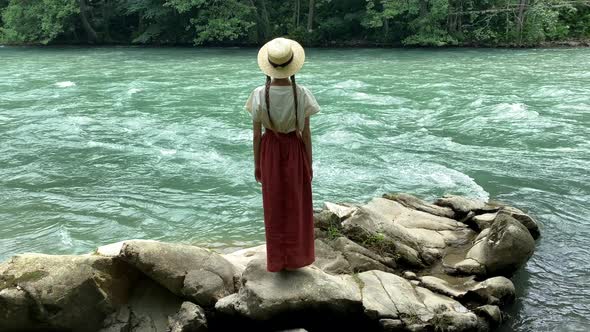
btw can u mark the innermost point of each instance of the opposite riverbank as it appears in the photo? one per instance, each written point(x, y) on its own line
point(583, 43)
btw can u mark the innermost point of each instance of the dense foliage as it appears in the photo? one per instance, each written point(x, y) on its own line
point(314, 22)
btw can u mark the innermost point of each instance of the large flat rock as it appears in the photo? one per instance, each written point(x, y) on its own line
point(266, 294)
point(417, 237)
point(388, 296)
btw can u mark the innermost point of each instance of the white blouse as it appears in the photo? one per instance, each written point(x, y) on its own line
point(282, 107)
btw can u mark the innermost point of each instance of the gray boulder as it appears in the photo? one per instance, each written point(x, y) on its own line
point(333, 256)
point(118, 321)
point(496, 290)
point(362, 259)
point(388, 296)
point(505, 248)
point(190, 318)
point(484, 221)
point(415, 203)
point(416, 238)
point(150, 305)
point(240, 258)
point(199, 274)
point(329, 260)
point(64, 292)
point(267, 294)
point(327, 220)
point(526, 220)
point(343, 211)
point(464, 205)
point(490, 313)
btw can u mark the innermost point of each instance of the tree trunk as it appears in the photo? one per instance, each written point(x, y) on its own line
point(423, 8)
point(310, 16)
point(92, 37)
point(106, 17)
point(296, 13)
point(452, 10)
point(520, 19)
point(263, 21)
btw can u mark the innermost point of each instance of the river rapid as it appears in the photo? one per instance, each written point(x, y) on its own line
point(98, 145)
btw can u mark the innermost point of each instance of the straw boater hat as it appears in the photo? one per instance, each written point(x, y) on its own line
point(281, 57)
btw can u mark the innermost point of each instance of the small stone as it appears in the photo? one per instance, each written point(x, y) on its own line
point(189, 318)
point(410, 275)
point(341, 211)
point(485, 220)
point(491, 313)
point(470, 266)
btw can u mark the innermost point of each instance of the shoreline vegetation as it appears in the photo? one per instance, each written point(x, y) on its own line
point(335, 45)
point(315, 23)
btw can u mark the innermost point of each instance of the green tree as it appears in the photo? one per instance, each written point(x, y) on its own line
point(216, 20)
point(313, 22)
point(37, 21)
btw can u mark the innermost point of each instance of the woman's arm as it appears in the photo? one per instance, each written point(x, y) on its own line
point(307, 140)
point(257, 127)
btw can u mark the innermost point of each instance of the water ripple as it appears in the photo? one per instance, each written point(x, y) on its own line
point(100, 145)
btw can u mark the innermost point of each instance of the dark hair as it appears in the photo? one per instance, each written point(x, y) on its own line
point(266, 97)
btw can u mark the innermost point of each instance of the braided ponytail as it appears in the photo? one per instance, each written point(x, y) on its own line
point(266, 97)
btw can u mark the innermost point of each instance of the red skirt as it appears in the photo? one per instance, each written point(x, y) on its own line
point(286, 199)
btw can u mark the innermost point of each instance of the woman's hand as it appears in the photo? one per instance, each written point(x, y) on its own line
point(257, 175)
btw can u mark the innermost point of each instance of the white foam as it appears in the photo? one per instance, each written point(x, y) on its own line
point(65, 238)
point(65, 84)
point(165, 152)
point(80, 120)
point(377, 99)
point(476, 103)
point(552, 91)
point(350, 84)
point(111, 146)
point(134, 90)
point(514, 111)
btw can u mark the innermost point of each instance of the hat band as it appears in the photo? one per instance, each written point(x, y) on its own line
point(284, 64)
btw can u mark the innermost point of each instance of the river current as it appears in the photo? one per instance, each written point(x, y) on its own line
point(98, 145)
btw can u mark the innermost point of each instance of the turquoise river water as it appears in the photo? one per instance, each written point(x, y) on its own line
point(105, 144)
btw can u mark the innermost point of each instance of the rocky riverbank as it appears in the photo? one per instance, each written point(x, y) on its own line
point(396, 263)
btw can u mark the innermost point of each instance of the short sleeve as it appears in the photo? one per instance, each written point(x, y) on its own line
point(252, 105)
point(311, 104)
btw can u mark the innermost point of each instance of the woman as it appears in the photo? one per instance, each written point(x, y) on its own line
point(283, 155)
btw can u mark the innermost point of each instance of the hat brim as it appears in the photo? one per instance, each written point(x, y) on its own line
point(282, 72)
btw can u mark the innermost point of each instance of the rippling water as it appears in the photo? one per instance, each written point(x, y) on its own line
point(100, 145)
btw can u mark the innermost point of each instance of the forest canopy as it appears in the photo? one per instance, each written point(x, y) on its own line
point(313, 22)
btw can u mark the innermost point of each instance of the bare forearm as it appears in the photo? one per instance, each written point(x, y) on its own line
point(256, 143)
